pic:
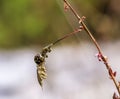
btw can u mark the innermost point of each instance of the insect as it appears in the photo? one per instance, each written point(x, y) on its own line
point(40, 58)
point(40, 61)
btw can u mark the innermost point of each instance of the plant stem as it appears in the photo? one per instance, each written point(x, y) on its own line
point(47, 48)
point(66, 36)
point(104, 59)
point(83, 24)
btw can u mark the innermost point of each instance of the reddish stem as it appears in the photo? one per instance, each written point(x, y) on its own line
point(95, 43)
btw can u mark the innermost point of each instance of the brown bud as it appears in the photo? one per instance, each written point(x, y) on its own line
point(115, 96)
point(66, 7)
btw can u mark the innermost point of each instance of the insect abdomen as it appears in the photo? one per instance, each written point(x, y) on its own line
point(41, 74)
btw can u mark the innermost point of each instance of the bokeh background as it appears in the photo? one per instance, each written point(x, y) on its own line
point(26, 26)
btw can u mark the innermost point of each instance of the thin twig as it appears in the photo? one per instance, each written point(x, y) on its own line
point(66, 36)
point(83, 24)
point(103, 58)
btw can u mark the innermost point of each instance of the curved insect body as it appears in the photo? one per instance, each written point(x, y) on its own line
point(40, 58)
point(40, 61)
point(41, 73)
point(41, 70)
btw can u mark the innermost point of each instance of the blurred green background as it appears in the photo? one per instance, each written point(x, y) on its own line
point(39, 22)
